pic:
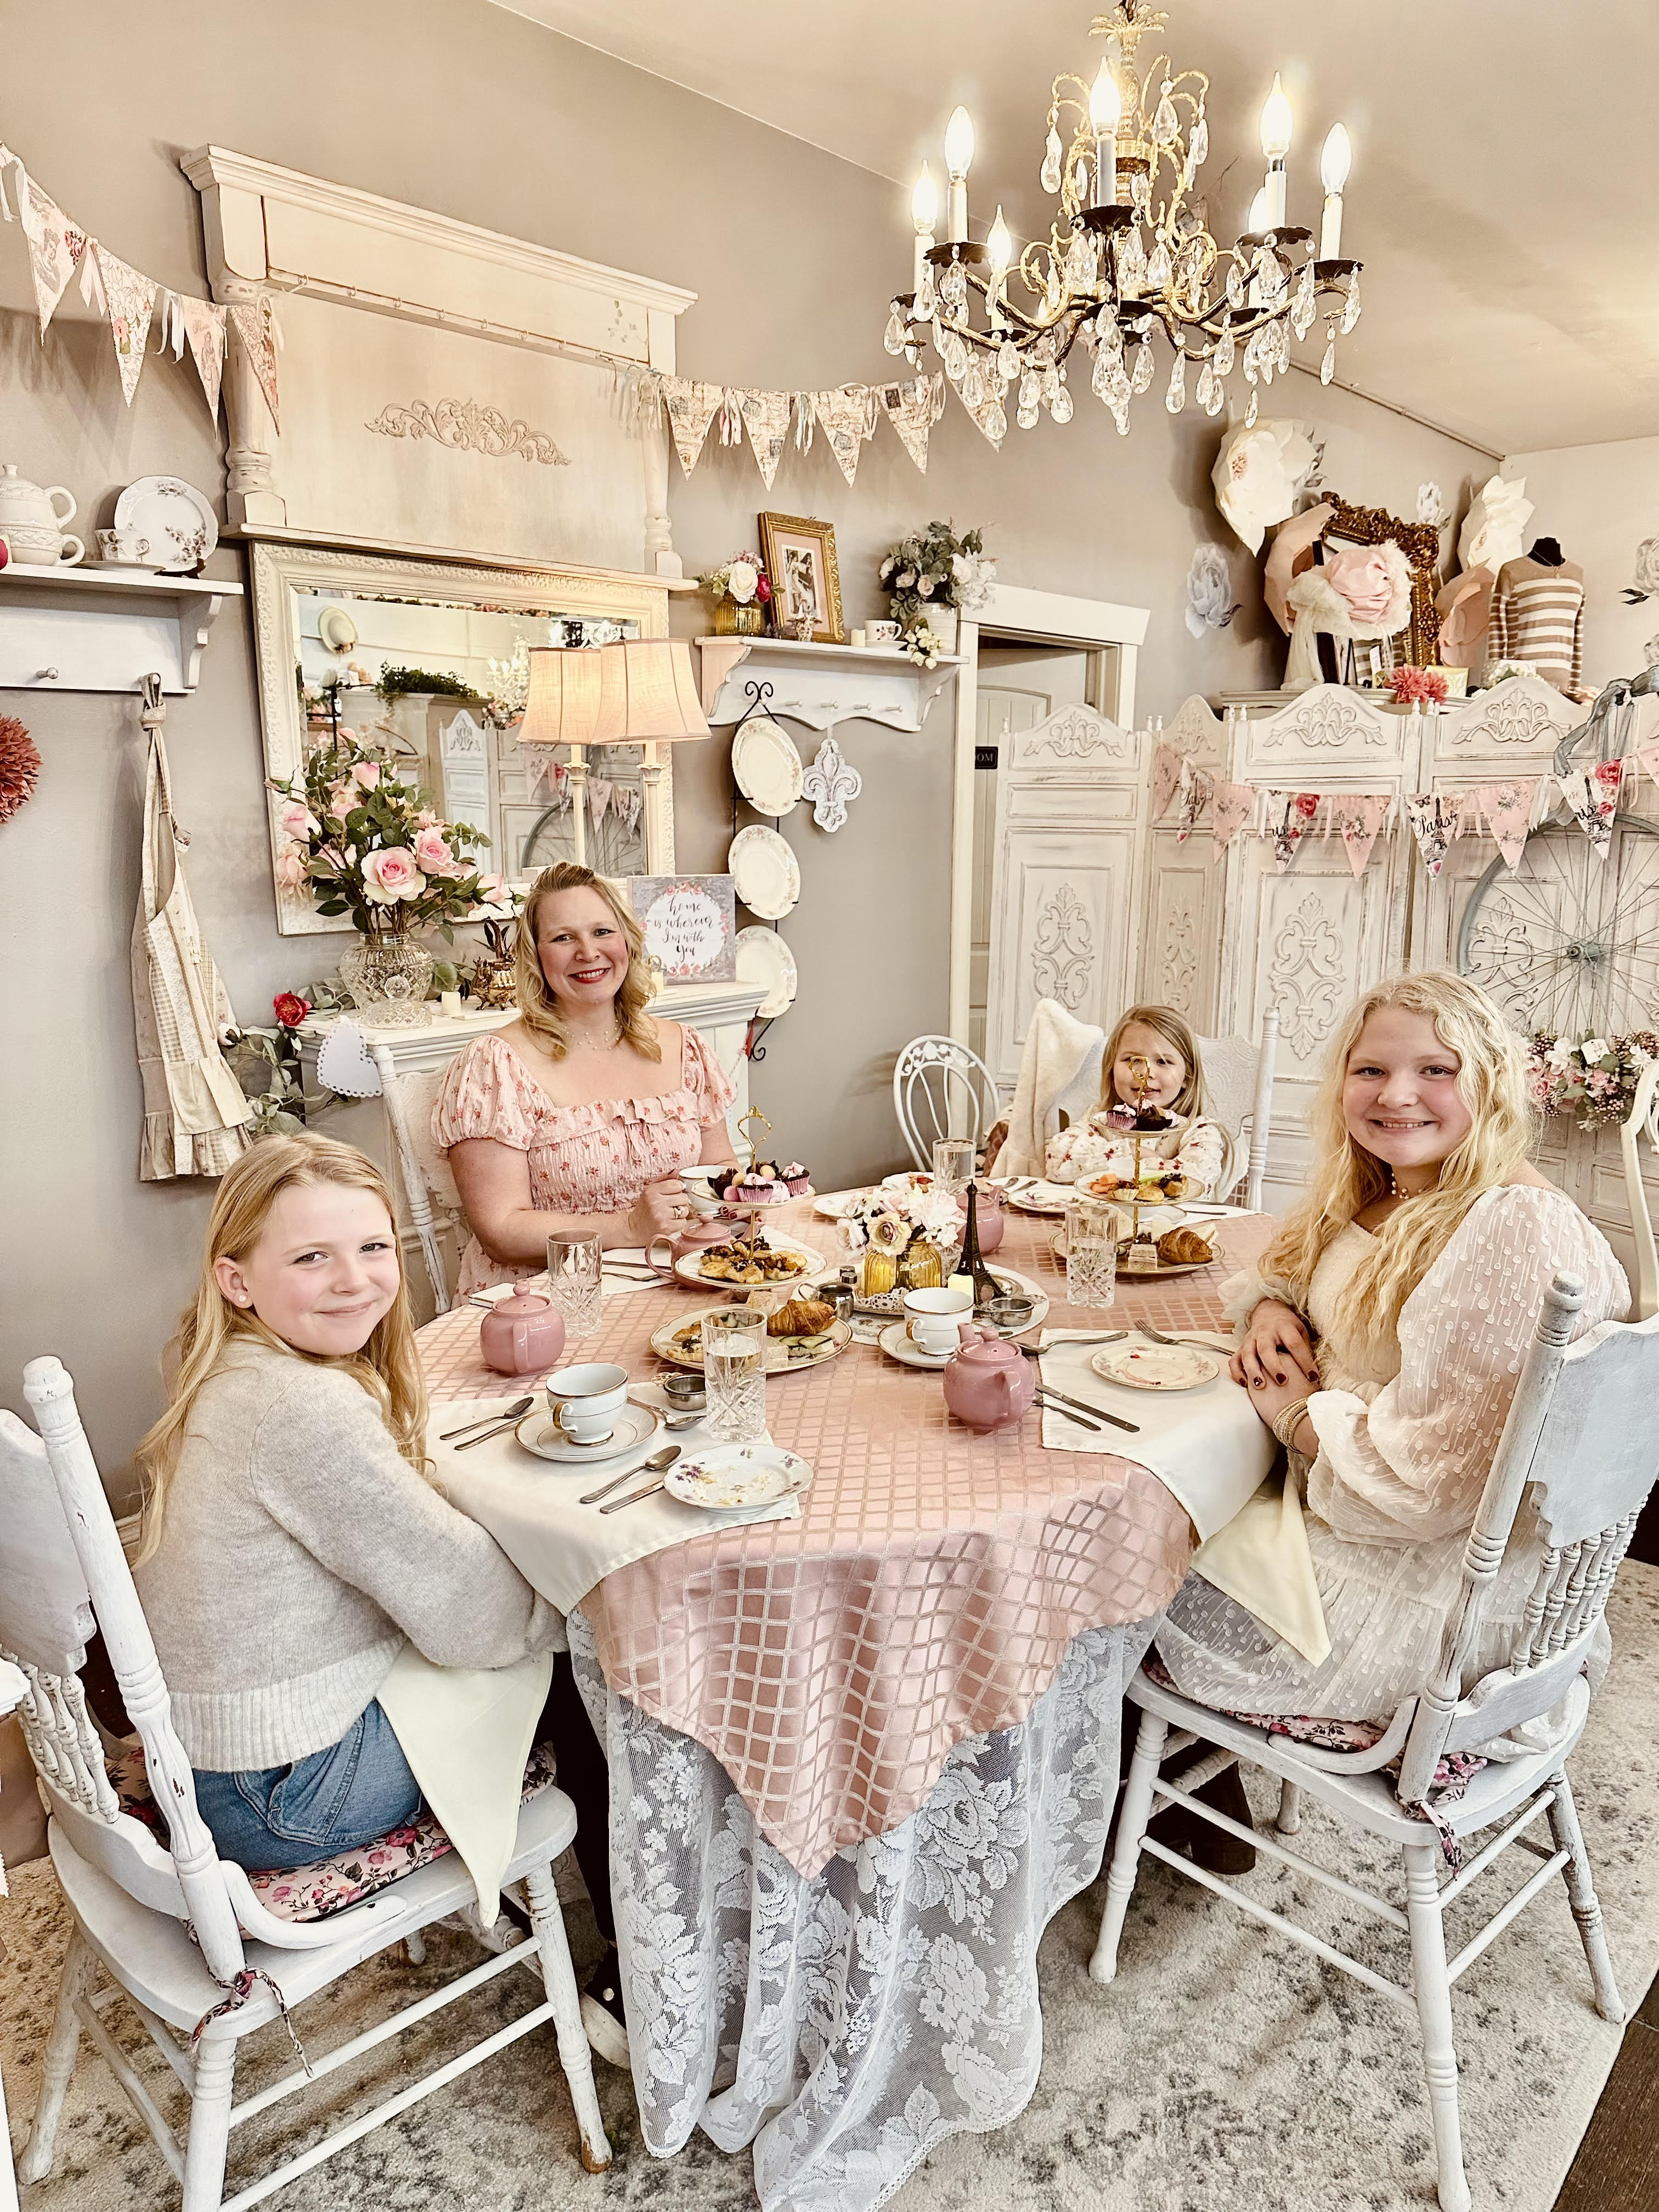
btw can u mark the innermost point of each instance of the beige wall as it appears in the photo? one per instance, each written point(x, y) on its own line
point(478, 114)
point(1602, 502)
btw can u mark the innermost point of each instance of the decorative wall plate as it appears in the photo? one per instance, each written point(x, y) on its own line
point(764, 957)
point(178, 520)
point(765, 871)
point(765, 766)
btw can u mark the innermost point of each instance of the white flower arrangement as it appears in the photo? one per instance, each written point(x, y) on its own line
point(923, 645)
point(887, 1219)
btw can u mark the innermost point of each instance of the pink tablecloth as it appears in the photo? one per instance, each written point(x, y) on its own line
point(928, 1593)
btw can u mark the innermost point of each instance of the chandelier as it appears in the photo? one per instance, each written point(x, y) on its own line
point(1129, 252)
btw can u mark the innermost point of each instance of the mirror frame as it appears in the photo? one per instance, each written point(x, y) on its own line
point(280, 569)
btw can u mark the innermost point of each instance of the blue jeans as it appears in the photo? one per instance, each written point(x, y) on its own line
point(279, 1817)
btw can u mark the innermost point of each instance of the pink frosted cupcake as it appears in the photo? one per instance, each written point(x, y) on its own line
point(795, 1178)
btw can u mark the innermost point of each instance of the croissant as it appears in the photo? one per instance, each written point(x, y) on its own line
point(801, 1318)
point(1184, 1246)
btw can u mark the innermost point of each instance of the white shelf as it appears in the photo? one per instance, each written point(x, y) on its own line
point(85, 630)
point(819, 684)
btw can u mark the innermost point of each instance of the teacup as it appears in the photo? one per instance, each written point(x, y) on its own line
point(586, 1400)
point(933, 1319)
point(882, 636)
point(127, 548)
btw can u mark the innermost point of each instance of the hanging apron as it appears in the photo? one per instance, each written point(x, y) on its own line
point(197, 1119)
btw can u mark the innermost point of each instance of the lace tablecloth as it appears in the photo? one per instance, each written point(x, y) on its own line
point(929, 1591)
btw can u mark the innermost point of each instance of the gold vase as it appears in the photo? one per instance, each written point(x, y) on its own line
point(732, 620)
point(921, 1268)
point(877, 1274)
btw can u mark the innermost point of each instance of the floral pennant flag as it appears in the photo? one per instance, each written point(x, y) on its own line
point(1167, 764)
point(204, 328)
point(1289, 816)
point(1359, 816)
point(56, 243)
point(1593, 799)
point(130, 297)
point(766, 416)
point(1436, 821)
point(255, 325)
point(691, 408)
point(1231, 806)
point(599, 798)
point(1195, 789)
point(847, 418)
point(913, 410)
point(1507, 808)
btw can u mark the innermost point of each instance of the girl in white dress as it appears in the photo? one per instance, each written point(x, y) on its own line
point(1382, 1339)
point(1153, 1046)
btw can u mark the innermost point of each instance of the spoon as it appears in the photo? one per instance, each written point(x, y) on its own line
point(515, 1411)
point(658, 1464)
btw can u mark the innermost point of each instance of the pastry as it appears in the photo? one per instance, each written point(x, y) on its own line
point(757, 1189)
point(1185, 1246)
point(801, 1318)
point(794, 1178)
point(750, 1263)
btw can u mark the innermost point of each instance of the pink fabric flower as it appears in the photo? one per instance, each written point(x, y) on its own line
point(432, 851)
point(341, 800)
point(366, 774)
point(391, 874)
point(297, 819)
point(291, 871)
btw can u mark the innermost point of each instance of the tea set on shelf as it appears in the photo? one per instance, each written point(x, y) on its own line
point(163, 526)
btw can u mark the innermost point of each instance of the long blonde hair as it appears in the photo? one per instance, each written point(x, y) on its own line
point(1345, 1177)
point(387, 1367)
point(1190, 1099)
point(537, 1003)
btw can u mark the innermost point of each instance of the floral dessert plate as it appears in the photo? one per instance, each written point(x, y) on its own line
point(765, 766)
point(177, 519)
point(723, 1476)
point(837, 1204)
point(764, 872)
point(1038, 1197)
point(764, 958)
point(1144, 1366)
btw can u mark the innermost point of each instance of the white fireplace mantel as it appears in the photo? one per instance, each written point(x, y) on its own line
point(819, 684)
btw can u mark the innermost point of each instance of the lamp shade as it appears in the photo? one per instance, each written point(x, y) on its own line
point(651, 680)
point(574, 698)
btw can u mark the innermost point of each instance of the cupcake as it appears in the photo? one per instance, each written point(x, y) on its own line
point(794, 1178)
point(757, 1189)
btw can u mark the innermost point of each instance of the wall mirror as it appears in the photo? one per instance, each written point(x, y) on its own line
point(431, 659)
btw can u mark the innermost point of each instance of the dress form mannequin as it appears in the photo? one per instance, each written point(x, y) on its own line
point(1538, 616)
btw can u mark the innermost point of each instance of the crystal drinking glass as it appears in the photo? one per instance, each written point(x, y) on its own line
point(1091, 1253)
point(734, 1374)
point(953, 1163)
point(572, 1282)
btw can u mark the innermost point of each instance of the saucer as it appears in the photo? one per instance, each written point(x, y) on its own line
point(636, 1425)
point(896, 1342)
point(1144, 1366)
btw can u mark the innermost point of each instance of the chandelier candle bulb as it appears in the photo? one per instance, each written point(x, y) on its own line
point(1276, 144)
point(924, 214)
point(959, 159)
point(1334, 162)
point(1000, 247)
point(1105, 113)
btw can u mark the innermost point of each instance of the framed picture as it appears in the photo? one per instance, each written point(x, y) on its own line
point(799, 554)
point(690, 926)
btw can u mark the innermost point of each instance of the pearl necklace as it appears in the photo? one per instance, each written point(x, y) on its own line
point(1394, 1190)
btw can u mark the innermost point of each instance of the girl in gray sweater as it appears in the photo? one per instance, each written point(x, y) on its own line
point(292, 1540)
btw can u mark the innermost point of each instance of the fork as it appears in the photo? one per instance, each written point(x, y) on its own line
point(1195, 1343)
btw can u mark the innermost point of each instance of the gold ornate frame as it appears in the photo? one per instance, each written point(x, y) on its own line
point(774, 530)
point(1420, 641)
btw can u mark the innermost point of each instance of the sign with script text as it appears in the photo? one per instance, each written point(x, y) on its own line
point(690, 924)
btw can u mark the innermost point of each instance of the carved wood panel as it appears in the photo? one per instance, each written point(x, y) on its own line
point(1182, 945)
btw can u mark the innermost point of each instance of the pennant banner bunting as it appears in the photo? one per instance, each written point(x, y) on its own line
point(1435, 819)
point(913, 410)
point(599, 798)
point(252, 323)
point(204, 325)
point(691, 408)
point(766, 417)
point(130, 299)
point(1593, 801)
point(848, 417)
point(1231, 806)
point(1507, 809)
point(1167, 764)
point(1195, 789)
point(56, 244)
point(1359, 816)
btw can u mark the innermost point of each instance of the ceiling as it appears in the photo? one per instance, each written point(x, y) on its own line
point(1504, 196)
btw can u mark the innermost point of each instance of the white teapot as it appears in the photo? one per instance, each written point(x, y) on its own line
point(32, 525)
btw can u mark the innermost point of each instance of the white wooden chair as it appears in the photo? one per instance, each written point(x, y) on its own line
point(435, 1203)
point(180, 1932)
point(1238, 1084)
point(14, 1688)
point(1580, 1432)
point(942, 1089)
point(1643, 1115)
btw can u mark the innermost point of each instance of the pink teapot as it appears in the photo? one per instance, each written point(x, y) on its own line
point(989, 1382)
point(664, 1252)
point(522, 1335)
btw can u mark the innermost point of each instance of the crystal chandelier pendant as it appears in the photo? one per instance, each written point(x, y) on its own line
point(1141, 378)
point(1250, 415)
point(1302, 310)
point(1051, 160)
point(1158, 269)
point(1198, 146)
point(1141, 192)
point(1235, 286)
point(953, 288)
point(1075, 261)
point(1060, 405)
point(893, 339)
point(1008, 361)
point(1327, 366)
point(1205, 386)
point(1030, 388)
point(973, 386)
point(927, 295)
point(1027, 417)
point(1165, 128)
point(954, 354)
point(1226, 351)
point(1351, 312)
point(995, 423)
point(1175, 397)
point(1131, 265)
point(1217, 399)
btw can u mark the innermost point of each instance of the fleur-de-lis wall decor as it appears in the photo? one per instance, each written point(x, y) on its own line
point(831, 786)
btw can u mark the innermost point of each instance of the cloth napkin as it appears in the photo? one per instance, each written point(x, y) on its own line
point(1211, 1452)
point(467, 1733)
point(612, 1282)
point(532, 1507)
point(1057, 1047)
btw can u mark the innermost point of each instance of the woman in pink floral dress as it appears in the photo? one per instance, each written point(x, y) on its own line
point(579, 1115)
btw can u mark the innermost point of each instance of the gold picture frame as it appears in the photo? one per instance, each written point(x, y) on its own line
point(1420, 641)
point(799, 552)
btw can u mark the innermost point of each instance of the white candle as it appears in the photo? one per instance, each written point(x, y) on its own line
point(449, 1002)
point(1335, 161)
point(1105, 113)
point(1330, 228)
point(959, 159)
point(1275, 145)
point(924, 213)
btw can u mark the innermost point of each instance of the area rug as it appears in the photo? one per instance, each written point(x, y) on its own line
point(1227, 2070)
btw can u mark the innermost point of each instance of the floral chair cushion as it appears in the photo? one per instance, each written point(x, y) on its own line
point(326, 1885)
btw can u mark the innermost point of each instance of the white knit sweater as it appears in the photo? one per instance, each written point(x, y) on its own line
point(299, 1550)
